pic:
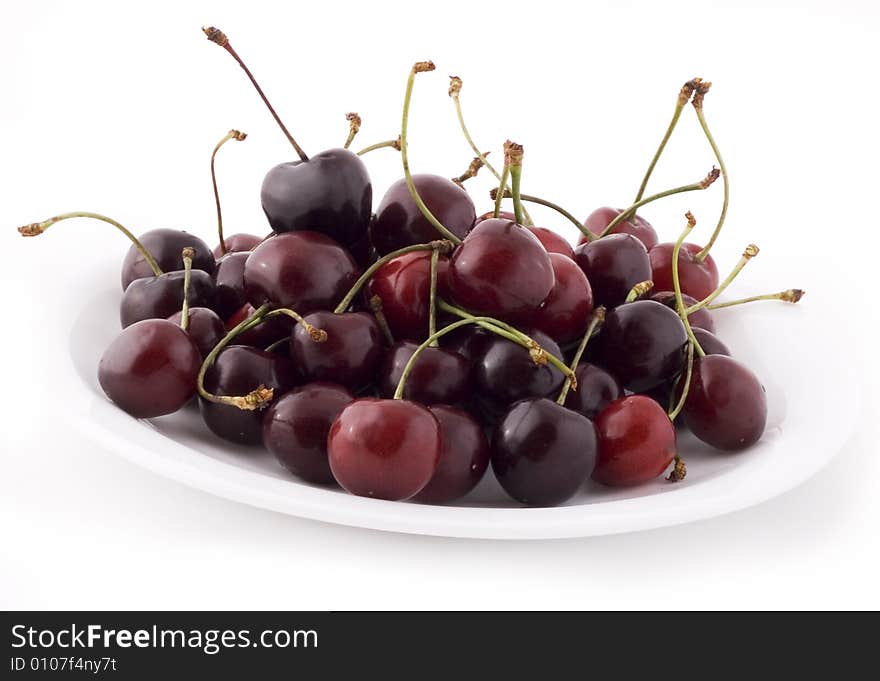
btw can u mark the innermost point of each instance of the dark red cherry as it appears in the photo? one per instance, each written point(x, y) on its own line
point(701, 318)
point(399, 222)
point(264, 334)
point(643, 344)
point(440, 376)
point(150, 368)
point(711, 344)
point(506, 373)
point(238, 370)
point(295, 429)
point(636, 442)
point(641, 229)
point(464, 456)
point(469, 341)
point(165, 245)
point(404, 285)
point(238, 243)
point(160, 297)
point(613, 265)
point(697, 279)
point(552, 241)
point(596, 389)
point(385, 449)
point(330, 193)
point(542, 452)
point(229, 284)
point(565, 313)
point(205, 328)
point(501, 270)
point(304, 271)
point(350, 356)
point(726, 405)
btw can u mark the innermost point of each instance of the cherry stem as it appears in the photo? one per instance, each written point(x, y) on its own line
point(256, 399)
point(676, 284)
point(277, 344)
point(702, 89)
point(37, 228)
point(188, 254)
point(684, 95)
point(381, 319)
point(455, 84)
point(505, 174)
point(639, 290)
point(513, 157)
point(751, 251)
point(679, 470)
point(493, 194)
point(231, 135)
point(791, 295)
point(538, 354)
point(432, 299)
point(627, 212)
point(394, 144)
point(354, 126)
point(418, 67)
point(471, 171)
point(316, 334)
point(215, 35)
point(687, 383)
point(597, 318)
point(441, 245)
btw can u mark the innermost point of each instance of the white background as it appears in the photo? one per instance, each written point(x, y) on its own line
point(109, 107)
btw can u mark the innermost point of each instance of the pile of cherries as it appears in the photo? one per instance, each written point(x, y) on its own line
point(400, 353)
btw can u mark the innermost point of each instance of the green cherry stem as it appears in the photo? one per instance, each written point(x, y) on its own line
point(316, 334)
point(381, 319)
point(440, 245)
point(493, 194)
point(37, 228)
point(505, 174)
point(791, 295)
point(597, 318)
point(231, 135)
point(394, 144)
point(188, 254)
point(676, 284)
point(432, 298)
point(277, 344)
point(418, 67)
point(513, 157)
point(354, 126)
point(215, 35)
point(751, 251)
point(627, 212)
point(702, 89)
point(687, 383)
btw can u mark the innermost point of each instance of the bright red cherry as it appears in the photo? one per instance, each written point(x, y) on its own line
point(440, 376)
point(613, 265)
point(385, 449)
point(641, 229)
point(565, 313)
point(697, 278)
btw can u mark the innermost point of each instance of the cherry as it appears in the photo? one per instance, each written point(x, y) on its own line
point(160, 297)
point(643, 344)
point(596, 389)
point(304, 271)
point(464, 456)
point(698, 278)
point(229, 283)
point(565, 312)
point(399, 221)
point(205, 328)
point(640, 228)
point(469, 341)
point(613, 265)
point(295, 429)
point(711, 344)
point(701, 318)
point(238, 243)
point(150, 368)
point(165, 246)
point(501, 270)
point(350, 355)
point(385, 449)
point(542, 452)
point(636, 442)
point(263, 335)
point(552, 242)
point(237, 370)
point(439, 376)
point(726, 405)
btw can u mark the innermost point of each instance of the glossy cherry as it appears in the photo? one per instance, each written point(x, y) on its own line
point(501, 270)
point(439, 376)
point(264, 334)
point(238, 370)
point(636, 442)
point(237, 243)
point(565, 312)
point(701, 318)
point(330, 193)
point(296, 426)
point(711, 344)
point(150, 368)
point(304, 271)
point(399, 222)
point(542, 452)
point(229, 284)
point(385, 449)
point(640, 228)
point(697, 278)
point(351, 354)
point(596, 389)
point(205, 328)
point(165, 245)
point(160, 297)
point(613, 265)
point(726, 405)
point(464, 456)
point(468, 341)
point(553, 242)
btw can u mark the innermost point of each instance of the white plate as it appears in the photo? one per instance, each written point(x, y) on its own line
point(796, 445)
